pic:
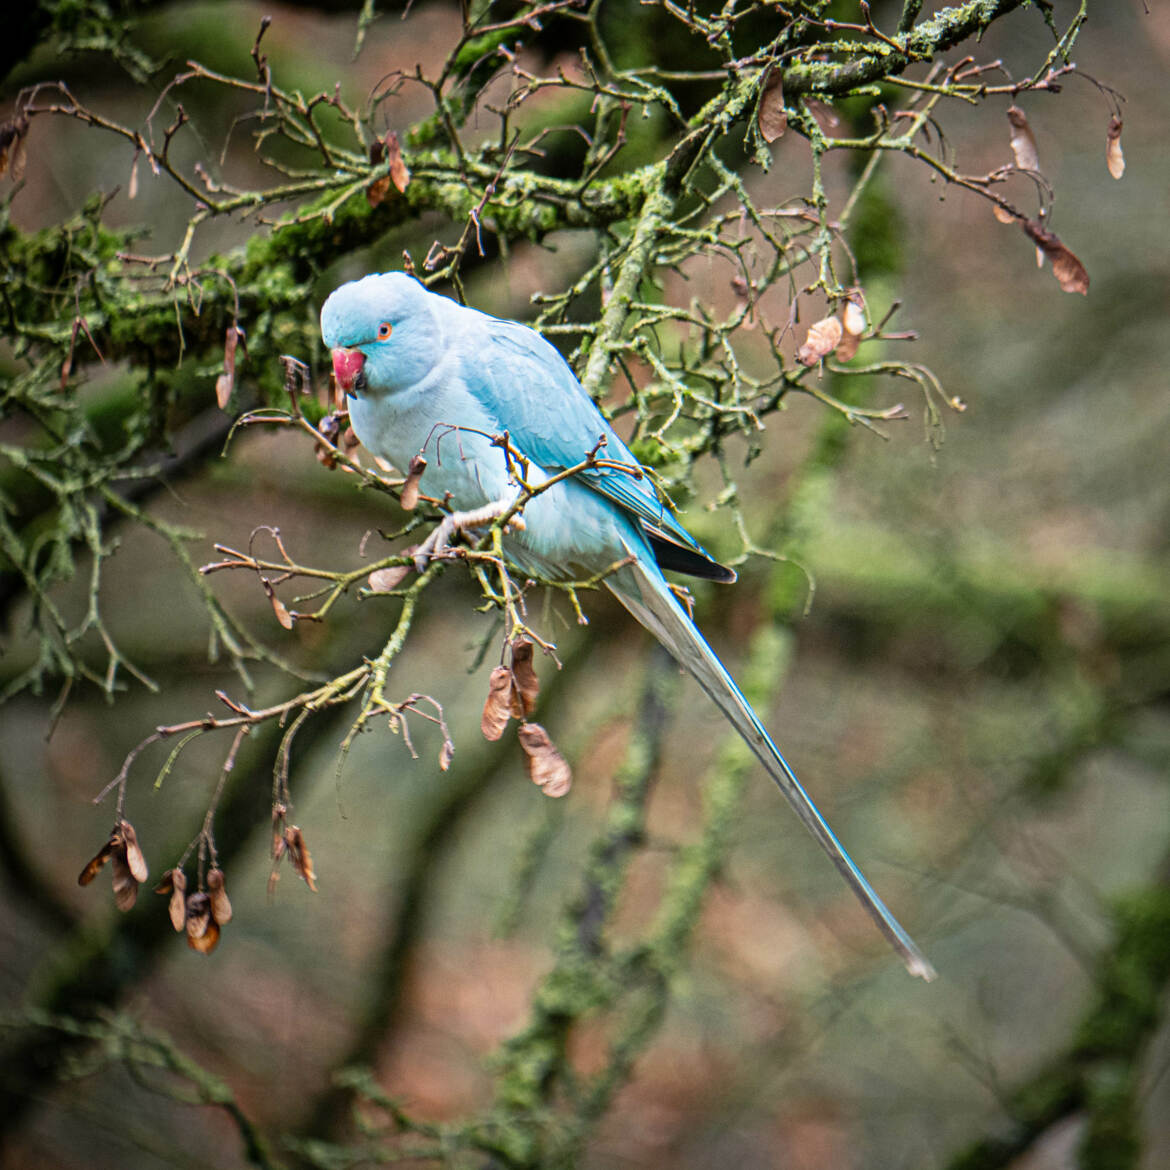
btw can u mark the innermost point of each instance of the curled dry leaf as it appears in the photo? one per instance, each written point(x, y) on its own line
point(221, 907)
point(547, 768)
point(1002, 214)
point(772, 118)
point(1023, 141)
point(446, 754)
point(822, 339)
point(527, 685)
point(1114, 159)
point(497, 709)
point(298, 855)
point(409, 497)
point(1067, 269)
point(384, 580)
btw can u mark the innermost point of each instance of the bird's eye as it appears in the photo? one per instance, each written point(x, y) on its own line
point(384, 331)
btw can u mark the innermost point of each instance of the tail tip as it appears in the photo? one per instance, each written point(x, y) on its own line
point(918, 965)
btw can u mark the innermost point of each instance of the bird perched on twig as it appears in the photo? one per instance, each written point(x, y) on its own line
point(496, 412)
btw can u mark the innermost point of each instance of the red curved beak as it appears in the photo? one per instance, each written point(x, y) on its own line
point(347, 364)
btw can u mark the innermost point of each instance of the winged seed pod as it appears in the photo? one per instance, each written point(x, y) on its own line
point(298, 855)
point(853, 326)
point(1065, 266)
point(1023, 141)
point(95, 864)
point(202, 929)
point(283, 616)
point(547, 768)
point(225, 383)
point(497, 708)
point(772, 119)
point(174, 882)
point(409, 497)
point(527, 685)
point(221, 907)
point(823, 338)
point(129, 866)
point(1114, 159)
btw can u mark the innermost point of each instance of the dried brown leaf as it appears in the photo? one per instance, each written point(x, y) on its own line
point(446, 754)
point(527, 684)
point(1023, 141)
point(497, 708)
point(547, 768)
point(298, 855)
point(221, 907)
point(1114, 158)
point(822, 339)
point(1067, 269)
point(1002, 214)
point(772, 118)
point(409, 497)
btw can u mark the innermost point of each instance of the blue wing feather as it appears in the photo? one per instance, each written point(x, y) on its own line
point(554, 422)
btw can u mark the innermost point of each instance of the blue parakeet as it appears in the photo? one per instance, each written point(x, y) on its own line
point(425, 375)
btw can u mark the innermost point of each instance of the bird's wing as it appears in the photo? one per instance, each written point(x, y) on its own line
point(522, 379)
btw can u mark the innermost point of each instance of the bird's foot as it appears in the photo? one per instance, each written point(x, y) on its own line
point(437, 545)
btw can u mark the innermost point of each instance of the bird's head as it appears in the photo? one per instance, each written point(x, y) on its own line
point(382, 332)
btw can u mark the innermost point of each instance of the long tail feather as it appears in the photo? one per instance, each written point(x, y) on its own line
point(644, 592)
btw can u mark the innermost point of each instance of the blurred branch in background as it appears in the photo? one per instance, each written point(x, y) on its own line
point(700, 203)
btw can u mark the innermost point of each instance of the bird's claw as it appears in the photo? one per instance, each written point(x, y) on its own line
point(437, 545)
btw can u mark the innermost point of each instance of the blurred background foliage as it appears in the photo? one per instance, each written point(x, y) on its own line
point(659, 969)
